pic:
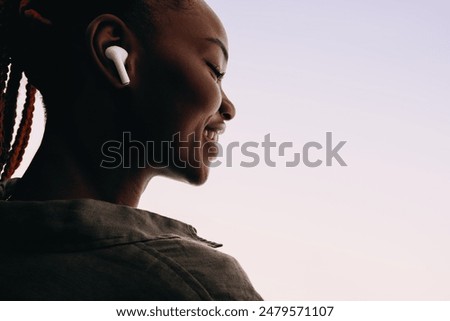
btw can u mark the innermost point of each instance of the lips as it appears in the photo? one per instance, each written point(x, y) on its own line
point(213, 131)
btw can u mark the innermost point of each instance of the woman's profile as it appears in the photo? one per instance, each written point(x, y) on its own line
point(70, 228)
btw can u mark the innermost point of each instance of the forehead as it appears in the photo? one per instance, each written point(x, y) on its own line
point(195, 21)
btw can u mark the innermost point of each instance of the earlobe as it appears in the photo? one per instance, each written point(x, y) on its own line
point(110, 43)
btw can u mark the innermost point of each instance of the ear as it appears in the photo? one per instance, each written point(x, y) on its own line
point(108, 30)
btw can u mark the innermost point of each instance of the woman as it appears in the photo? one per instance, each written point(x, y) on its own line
point(69, 228)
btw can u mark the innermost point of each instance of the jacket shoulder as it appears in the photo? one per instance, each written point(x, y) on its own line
point(218, 273)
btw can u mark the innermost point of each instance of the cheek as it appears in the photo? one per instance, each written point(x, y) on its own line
point(197, 91)
point(179, 96)
point(190, 82)
point(180, 82)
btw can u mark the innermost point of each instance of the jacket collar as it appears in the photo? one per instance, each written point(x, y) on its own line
point(74, 225)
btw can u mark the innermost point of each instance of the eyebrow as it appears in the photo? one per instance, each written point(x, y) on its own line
point(218, 42)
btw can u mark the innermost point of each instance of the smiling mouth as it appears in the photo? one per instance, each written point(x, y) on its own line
point(212, 133)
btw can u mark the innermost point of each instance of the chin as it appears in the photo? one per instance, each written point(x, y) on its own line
point(197, 176)
point(192, 176)
point(195, 173)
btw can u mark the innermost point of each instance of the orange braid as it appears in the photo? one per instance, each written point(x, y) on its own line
point(27, 11)
point(10, 158)
point(23, 134)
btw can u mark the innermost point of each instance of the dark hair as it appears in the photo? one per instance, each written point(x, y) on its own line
point(29, 30)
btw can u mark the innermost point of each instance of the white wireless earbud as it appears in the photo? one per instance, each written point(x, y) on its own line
point(119, 56)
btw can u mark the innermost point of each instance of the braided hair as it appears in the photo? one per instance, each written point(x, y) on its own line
point(24, 17)
point(11, 153)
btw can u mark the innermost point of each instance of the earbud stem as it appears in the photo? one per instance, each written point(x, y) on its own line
point(122, 71)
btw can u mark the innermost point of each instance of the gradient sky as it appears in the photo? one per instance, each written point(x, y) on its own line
point(374, 73)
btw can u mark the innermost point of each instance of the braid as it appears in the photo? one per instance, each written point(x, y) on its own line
point(9, 92)
point(22, 136)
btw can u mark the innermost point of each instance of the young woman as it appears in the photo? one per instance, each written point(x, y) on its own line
point(69, 228)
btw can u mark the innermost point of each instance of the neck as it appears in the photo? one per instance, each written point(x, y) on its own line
point(61, 170)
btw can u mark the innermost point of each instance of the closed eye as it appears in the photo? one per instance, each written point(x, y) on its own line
point(216, 70)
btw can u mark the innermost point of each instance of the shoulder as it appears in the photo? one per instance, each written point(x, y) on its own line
point(110, 252)
point(215, 272)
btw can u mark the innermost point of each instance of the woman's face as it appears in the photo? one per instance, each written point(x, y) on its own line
point(179, 96)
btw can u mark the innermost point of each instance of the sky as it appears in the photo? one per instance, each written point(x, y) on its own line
point(375, 74)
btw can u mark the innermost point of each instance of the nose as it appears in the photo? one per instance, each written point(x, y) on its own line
point(227, 109)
